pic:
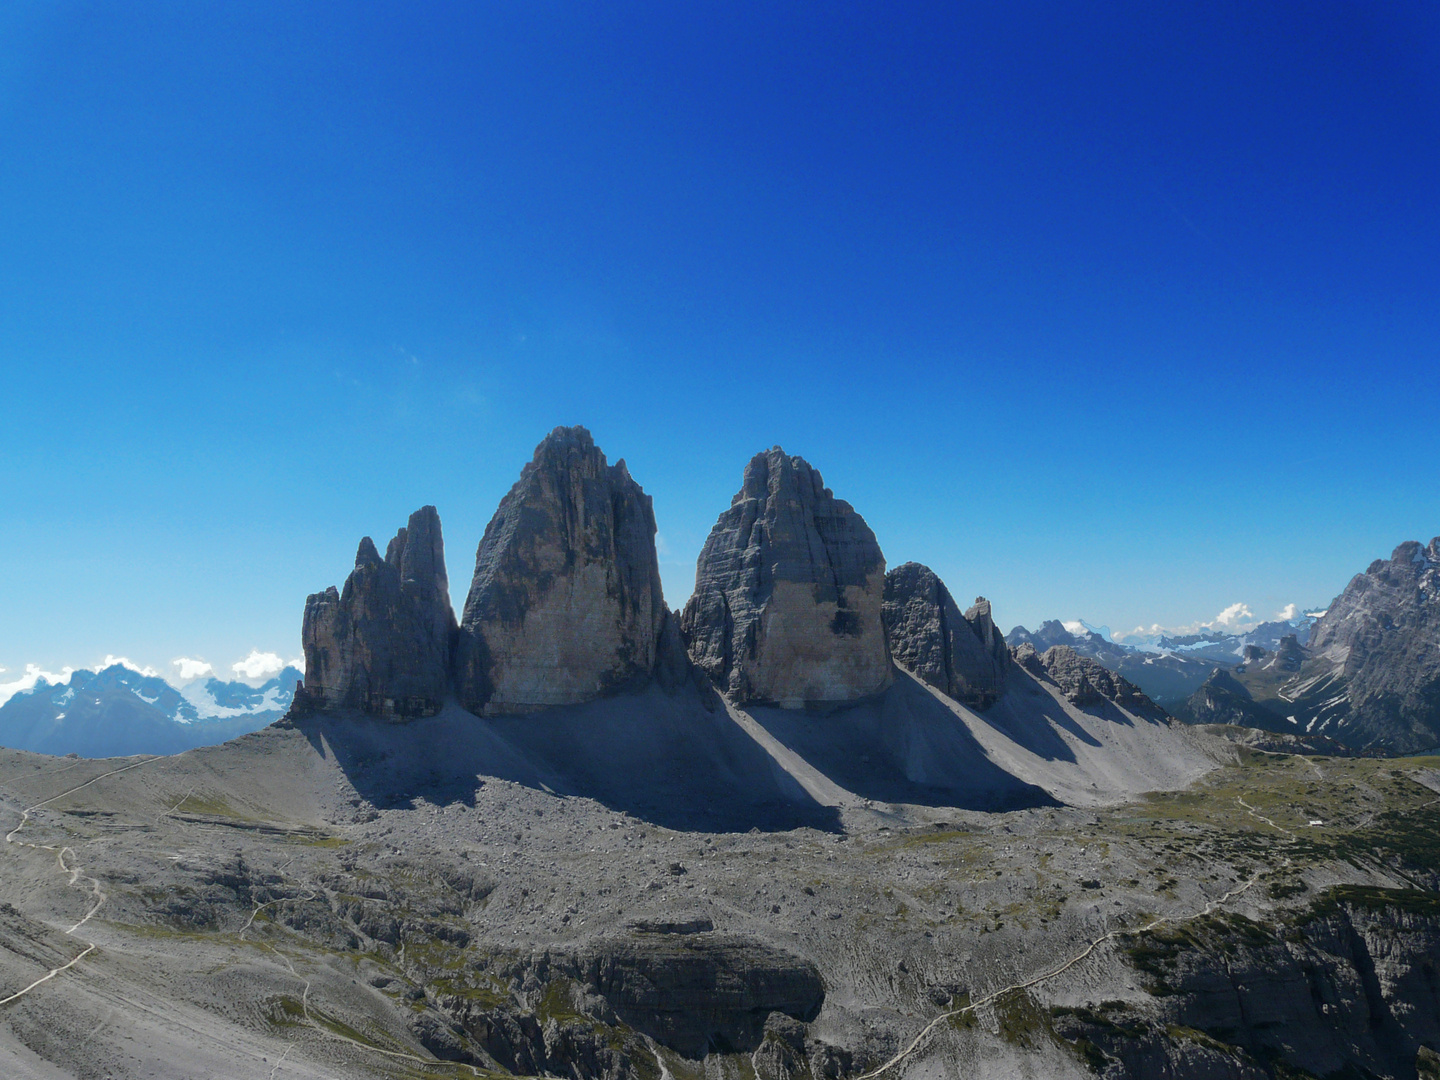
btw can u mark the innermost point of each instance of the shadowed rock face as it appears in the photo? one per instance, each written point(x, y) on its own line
point(705, 992)
point(788, 591)
point(963, 656)
point(565, 604)
point(383, 645)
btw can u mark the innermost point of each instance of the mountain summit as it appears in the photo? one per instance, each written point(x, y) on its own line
point(565, 604)
point(788, 592)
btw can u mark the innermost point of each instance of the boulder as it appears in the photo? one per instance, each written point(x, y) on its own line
point(565, 604)
point(788, 591)
point(963, 656)
point(382, 646)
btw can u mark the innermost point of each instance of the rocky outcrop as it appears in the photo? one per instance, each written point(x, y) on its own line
point(1345, 987)
point(1289, 655)
point(1083, 681)
point(565, 604)
point(382, 646)
point(696, 993)
point(788, 593)
point(1370, 674)
point(702, 992)
point(1224, 699)
point(962, 656)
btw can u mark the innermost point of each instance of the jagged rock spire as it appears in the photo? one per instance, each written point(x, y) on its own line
point(382, 646)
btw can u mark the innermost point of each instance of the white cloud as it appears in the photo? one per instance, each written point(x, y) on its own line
point(298, 664)
point(33, 674)
point(191, 669)
point(258, 665)
point(126, 662)
point(1288, 612)
point(1233, 616)
point(1235, 619)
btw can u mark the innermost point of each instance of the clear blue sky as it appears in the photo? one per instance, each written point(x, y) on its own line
point(1127, 312)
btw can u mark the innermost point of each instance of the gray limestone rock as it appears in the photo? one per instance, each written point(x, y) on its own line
point(963, 656)
point(1082, 680)
point(382, 645)
point(788, 591)
point(565, 605)
point(1373, 669)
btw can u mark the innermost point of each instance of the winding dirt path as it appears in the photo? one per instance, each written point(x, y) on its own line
point(73, 870)
point(996, 995)
point(1044, 976)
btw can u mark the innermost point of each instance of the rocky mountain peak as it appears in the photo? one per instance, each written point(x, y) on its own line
point(382, 646)
point(1378, 645)
point(565, 603)
point(788, 592)
point(962, 656)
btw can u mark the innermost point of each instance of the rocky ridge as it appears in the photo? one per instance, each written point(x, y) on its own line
point(1082, 680)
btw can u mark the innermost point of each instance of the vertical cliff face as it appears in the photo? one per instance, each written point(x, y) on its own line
point(788, 589)
point(565, 604)
point(963, 656)
point(382, 646)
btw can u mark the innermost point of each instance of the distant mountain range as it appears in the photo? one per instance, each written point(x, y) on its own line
point(119, 711)
point(1168, 668)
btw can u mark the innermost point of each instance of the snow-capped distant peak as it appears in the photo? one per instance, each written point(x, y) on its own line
point(1080, 628)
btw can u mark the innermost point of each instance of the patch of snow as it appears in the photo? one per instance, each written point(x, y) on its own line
point(198, 695)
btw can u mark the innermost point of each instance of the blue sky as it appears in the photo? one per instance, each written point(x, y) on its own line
point(1128, 315)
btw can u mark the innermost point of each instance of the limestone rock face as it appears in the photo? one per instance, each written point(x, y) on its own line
point(383, 644)
point(963, 656)
point(565, 604)
point(788, 591)
point(1379, 646)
